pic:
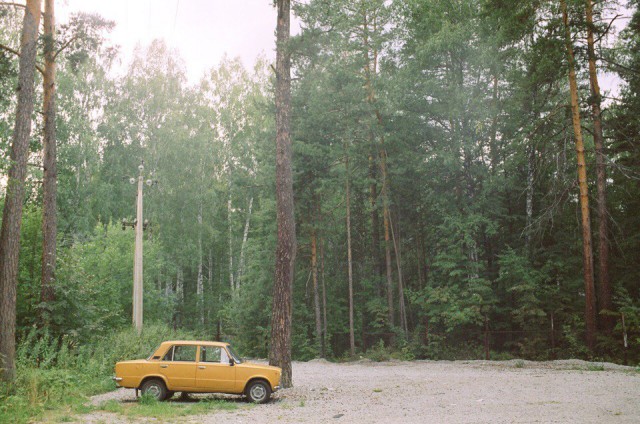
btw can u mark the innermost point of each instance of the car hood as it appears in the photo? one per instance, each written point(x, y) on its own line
point(134, 362)
point(253, 365)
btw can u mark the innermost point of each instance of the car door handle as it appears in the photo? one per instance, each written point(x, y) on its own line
point(164, 366)
point(202, 367)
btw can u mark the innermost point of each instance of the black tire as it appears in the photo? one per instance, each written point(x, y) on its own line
point(154, 388)
point(258, 391)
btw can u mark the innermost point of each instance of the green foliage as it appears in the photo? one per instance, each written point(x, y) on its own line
point(54, 372)
point(453, 117)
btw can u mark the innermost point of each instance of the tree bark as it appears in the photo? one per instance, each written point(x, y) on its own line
point(387, 238)
point(375, 220)
point(200, 278)
point(280, 351)
point(324, 301)
point(12, 213)
point(352, 342)
point(401, 304)
point(243, 246)
point(50, 179)
point(232, 284)
point(587, 250)
point(604, 283)
point(531, 154)
point(316, 291)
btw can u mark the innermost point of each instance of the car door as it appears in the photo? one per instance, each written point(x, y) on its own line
point(178, 366)
point(215, 373)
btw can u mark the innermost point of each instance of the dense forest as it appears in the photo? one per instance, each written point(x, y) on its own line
point(463, 188)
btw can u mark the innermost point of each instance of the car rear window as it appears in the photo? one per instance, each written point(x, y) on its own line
point(183, 353)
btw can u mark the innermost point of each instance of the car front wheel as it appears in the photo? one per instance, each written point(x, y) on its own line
point(154, 388)
point(258, 392)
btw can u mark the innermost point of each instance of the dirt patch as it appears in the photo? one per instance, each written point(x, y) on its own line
point(441, 392)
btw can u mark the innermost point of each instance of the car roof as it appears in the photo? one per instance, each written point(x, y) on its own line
point(194, 342)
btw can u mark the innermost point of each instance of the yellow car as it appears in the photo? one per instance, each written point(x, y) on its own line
point(198, 367)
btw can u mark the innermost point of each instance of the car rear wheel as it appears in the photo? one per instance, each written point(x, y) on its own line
point(154, 388)
point(258, 391)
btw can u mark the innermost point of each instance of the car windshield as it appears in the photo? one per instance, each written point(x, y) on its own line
point(152, 352)
point(234, 355)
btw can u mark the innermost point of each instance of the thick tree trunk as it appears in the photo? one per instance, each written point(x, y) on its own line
point(587, 251)
point(12, 214)
point(604, 283)
point(316, 290)
point(50, 179)
point(280, 351)
point(352, 342)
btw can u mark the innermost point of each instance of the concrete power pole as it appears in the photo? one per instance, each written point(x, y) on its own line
point(137, 262)
point(139, 226)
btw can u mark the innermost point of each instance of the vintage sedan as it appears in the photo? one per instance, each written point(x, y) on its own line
point(198, 367)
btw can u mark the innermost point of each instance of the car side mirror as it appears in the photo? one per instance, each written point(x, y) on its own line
point(231, 362)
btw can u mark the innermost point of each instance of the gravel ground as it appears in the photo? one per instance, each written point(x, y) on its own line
point(439, 392)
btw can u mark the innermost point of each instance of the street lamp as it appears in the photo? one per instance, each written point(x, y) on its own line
point(138, 225)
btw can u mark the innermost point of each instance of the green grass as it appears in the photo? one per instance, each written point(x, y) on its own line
point(595, 367)
point(150, 408)
point(56, 376)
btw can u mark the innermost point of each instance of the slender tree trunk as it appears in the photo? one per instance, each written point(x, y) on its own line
point(324, 301)
point(352, 341)
point(211, 287)
point(529, 203)
point(604, 283)
point(245, 237)
point(401, 305)
point(232, 284)
point(590, 300)
point(280, 351)
point(422, 277)
point(179, 296)
point(387, 238)
point(12, 214)
point(49, 190)
point(376, 259)
point(316, 290)
point(493, 146)
point(200, 278)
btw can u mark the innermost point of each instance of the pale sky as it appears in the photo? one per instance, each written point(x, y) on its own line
point(201, 30)
point(204, 30)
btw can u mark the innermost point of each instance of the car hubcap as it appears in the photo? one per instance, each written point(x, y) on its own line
point(154, 391)
point(258, 392)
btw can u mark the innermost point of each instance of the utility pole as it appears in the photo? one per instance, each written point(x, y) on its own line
point(138, 225)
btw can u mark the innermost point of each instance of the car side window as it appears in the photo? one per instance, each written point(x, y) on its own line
point(169, 355)
point(182, 353)
point(224, 356)
point(209, 354)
